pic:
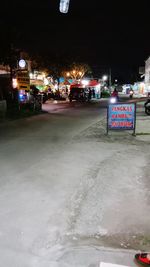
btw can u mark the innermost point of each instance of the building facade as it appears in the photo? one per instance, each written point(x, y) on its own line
point(147, 75)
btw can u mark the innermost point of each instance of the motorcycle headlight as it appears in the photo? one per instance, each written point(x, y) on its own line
point(112, 100)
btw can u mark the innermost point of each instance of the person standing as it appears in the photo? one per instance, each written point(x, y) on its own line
point(90, 94)
point(93, 92)
point(115, 94)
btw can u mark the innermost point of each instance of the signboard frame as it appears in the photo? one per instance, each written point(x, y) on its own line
point(23, 80)
point(133, 118)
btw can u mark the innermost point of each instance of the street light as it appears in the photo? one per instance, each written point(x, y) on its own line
point(104, 78)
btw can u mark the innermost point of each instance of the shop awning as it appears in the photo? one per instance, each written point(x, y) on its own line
point(93, 83)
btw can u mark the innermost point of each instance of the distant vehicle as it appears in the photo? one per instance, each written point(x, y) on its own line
point(143, 258)
point(147, 107)
point(126, 88)
point(114, 97)
point(131, 93)
point(78, 94)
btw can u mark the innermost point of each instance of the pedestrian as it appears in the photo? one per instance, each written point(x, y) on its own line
point(90, 94)
point(93, 92)
point(115, 93)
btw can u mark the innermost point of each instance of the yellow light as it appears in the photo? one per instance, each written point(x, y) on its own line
point(14, 83)
point(68, 74)
point(46, 82)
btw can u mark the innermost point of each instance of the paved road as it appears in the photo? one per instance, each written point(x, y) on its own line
point(67, 190)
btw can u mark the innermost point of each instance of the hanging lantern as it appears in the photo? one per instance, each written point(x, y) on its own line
point(64, 6)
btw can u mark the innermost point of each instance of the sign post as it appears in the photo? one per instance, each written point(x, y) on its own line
point(23, 80)
point(121, 116)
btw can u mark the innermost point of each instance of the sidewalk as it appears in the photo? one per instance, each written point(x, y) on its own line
point(142, 123)
point(142, 120)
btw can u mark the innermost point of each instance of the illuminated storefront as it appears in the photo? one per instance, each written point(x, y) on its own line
point(147, 75)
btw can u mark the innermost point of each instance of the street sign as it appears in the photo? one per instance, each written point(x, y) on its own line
point(23, 80)
point(121, 116)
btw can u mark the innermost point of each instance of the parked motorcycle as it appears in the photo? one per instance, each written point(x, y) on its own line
point(113, 99)
point(143, 258)
point(147, 107)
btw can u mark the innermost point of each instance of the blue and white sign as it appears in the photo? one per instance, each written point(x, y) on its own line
point(121, 116)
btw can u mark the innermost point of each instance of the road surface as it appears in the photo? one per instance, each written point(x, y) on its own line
point(67, 189)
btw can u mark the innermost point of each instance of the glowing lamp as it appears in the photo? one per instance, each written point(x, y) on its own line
point(22, 63)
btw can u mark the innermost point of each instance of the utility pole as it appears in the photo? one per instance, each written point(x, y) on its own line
point(110, 78)
point(11, 63)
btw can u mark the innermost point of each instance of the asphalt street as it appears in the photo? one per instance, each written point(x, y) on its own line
point(70, 195)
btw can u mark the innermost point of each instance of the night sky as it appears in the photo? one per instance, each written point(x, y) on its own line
point(103, 34)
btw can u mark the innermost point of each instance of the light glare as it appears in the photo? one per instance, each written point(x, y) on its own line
point(64, 6)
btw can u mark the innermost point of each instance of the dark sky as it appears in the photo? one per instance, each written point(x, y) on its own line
point(102, 33)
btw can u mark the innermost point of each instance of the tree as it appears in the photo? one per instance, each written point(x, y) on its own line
point(56, 67)
point(77, 71)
